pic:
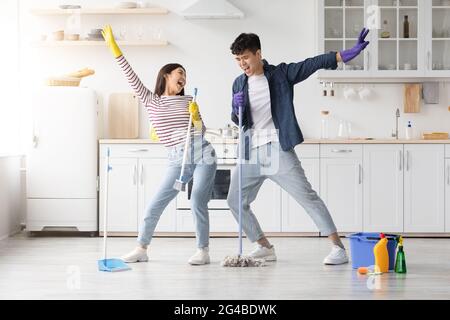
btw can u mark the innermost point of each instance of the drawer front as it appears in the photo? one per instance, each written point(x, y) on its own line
point(341, 151)
point(447, 151)
point(134, 151)
point(307, 151)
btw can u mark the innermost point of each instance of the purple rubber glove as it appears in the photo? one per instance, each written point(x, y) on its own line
point(238, 100)
point(352, 53)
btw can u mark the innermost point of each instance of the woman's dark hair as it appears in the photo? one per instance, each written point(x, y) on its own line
point(246, 41)
point(160, 86)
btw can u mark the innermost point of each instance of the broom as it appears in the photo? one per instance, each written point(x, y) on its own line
point(240, 260)
point(180, 184)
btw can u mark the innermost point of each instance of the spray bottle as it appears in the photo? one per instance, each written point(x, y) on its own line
point(400, 261)
point(381, 254)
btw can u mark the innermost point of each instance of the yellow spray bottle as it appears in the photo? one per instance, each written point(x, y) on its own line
point(381, 254)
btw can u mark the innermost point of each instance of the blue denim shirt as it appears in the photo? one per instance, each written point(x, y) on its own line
point(282, 79)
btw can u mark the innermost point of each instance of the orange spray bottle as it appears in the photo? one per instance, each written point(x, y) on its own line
point(381, 254)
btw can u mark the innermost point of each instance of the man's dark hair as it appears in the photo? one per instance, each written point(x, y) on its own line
point(246, 41)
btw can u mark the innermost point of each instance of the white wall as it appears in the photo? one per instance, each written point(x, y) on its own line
point(10, 196)
point(287, 30)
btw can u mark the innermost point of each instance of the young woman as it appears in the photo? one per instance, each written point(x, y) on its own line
point(169, 110)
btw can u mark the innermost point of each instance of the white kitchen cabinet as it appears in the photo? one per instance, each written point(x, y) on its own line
point(267, 207)
point(122, 195)
point(294, 217)
point(340, 22)
point(383, 188)
point(151, 174)
point(424, 188)
point(136, 174)
point(437, 38)
point(341, 186)
point(425, 53)
point(447, 196)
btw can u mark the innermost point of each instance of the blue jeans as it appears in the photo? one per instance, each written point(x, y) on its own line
point(284, 168)
point(201, 165)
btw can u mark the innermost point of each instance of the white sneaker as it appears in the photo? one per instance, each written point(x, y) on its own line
point(261, 252)
point(137, 255)
point(200, 257)
point(336, 256)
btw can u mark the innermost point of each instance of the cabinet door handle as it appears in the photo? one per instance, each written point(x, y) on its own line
point(448, 175)
point(341, 151)
point(400, 160)
point(429, 60)
point(138, 150)
point(135, 174)
point(141, 176)
point(360, 174)
point(407, 161)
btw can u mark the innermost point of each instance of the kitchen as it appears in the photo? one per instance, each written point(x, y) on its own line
point(374, 173)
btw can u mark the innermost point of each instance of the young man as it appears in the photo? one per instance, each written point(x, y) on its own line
point(266, 94)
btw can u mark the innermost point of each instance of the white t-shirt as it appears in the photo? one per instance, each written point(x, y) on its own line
point(263, 130)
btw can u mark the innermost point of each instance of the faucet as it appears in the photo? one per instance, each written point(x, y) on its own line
point(397, 116)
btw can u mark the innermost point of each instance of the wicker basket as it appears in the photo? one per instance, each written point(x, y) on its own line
point(63, 82)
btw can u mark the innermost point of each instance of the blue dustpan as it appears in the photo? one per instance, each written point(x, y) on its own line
point(109, 265)
point(112, 265)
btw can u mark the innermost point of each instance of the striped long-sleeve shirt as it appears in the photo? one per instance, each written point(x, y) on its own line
point(169, 115)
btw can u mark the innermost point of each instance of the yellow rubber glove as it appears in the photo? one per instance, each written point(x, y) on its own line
point(108, 35)
point(194, 111)
point(153, 135)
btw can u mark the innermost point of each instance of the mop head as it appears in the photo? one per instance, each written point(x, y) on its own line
point(242, 262)
point(112, 265)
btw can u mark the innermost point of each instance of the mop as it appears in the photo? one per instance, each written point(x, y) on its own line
point(109, 265)
point(241, 260)
point(180, 184)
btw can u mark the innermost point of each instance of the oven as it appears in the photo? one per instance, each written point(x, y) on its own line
point(226, 161)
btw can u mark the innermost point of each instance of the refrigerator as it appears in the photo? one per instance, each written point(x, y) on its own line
point(62, 179)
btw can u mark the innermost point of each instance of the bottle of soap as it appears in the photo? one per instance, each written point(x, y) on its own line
point(409, 131)
point(381, 254)
point(400, 261)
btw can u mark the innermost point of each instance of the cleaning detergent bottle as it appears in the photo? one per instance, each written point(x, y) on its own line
point(400, 261)
point(381, 254)
point(409, 131)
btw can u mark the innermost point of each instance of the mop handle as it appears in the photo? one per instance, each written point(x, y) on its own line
point(188, 136)
point(240, 178)
point(105, 219)
point(186, 146)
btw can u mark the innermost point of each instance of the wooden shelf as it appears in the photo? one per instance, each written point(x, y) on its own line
point(88, 43)
point(101, 11)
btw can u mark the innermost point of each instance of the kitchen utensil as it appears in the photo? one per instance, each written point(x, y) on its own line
point(180, 183)
point(412, 97)
point(123, 116)
point(111, 264)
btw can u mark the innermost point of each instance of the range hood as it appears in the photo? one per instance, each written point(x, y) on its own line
point(212, 9)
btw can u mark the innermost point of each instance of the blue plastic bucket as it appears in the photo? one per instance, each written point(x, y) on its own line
point(361, 248)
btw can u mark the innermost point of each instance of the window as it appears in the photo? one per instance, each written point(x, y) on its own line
point(9, 79)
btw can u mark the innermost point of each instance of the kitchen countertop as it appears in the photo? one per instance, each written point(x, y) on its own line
point(307, 141)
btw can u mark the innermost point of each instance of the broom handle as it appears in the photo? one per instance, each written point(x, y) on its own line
point(105, 220)
point(240, 178)
point(186, 146)
point(188, 136)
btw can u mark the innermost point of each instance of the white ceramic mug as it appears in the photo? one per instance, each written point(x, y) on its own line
point(350, 93)
point(364, 93)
